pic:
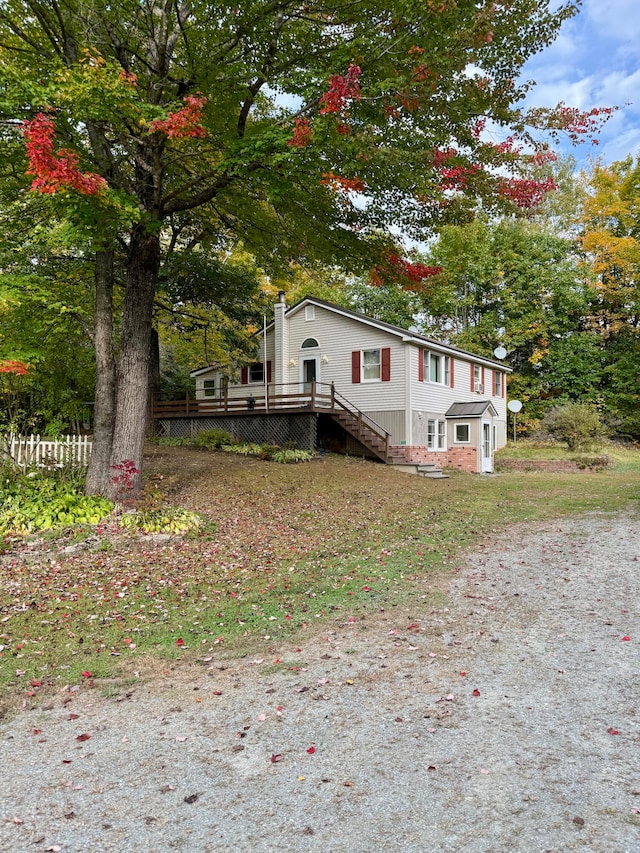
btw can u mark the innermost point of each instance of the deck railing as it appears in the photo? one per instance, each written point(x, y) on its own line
point(311, 396)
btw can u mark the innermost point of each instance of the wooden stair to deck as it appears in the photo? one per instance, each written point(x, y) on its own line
point(353, 423)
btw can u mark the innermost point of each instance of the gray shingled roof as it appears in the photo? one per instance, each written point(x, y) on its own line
point(468, 410)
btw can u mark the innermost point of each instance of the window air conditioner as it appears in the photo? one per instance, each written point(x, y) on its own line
point(478, 388)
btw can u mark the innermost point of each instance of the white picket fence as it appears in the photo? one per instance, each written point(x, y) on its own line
point(32, 450)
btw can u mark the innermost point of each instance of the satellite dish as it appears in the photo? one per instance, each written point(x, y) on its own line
point(514, 406)
point(500, 352)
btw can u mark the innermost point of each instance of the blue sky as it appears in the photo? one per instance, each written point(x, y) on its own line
point(596, 62)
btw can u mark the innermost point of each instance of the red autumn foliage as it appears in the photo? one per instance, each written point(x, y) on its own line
point(302, 134)
point(579, 125)
point(342, 89)
point(185, 123)
point(129, 77)
point(55, 171)
point(17, 368)
point(338, 183)
point(526, 193)
point(410, 275)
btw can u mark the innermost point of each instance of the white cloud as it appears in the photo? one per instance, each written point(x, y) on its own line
point(618, 19)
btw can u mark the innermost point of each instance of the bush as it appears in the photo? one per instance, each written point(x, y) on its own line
point(35, 502)
point(244, 449)
point(271, 452)
point(212, 439)
point(287, 455)
point(167, 520)
point(578, 424)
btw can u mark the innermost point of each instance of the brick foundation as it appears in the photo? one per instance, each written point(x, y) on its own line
point(462, 458)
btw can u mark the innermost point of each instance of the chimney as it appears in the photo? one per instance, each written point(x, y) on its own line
point(281, 340)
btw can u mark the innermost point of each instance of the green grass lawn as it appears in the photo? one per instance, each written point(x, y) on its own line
point(294, 546)
point(624, 456)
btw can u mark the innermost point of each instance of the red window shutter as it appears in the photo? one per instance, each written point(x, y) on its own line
point(268, 371)
point(484, 387)
point(502, 384)
point(244, 377)
point(355, 366)
point(421, 353)
point(472, 371)
point(452, 362)
point(386, 364)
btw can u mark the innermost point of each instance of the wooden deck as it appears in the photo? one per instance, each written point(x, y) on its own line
point(279, 399)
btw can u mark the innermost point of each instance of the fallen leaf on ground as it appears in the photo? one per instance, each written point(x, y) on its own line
point(613, 731)
point(278, 756)
point(311, 750)
point(84, 736)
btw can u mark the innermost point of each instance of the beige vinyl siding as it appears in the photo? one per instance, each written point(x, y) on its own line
point(392, 422)
point(430, 397)
point(337, 337)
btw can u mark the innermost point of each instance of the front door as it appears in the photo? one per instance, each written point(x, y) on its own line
point(487, 460)
point(310, 370)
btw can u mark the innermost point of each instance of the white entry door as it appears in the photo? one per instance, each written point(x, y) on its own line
point(487, 455)
point(309, 372)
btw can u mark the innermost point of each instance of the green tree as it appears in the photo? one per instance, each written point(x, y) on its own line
point(610, 241)
point(518, 285)
point(268, 119)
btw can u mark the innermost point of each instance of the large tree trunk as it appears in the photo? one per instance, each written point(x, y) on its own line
point(99, 472)
point(133, 365)
point(154, 380)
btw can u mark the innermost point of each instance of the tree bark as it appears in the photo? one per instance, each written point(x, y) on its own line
point(98, 474)
point(154, 380)
point(133, 365)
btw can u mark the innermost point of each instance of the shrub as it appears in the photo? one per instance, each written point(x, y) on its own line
point(35, 502)
point(244, 449)
point(287, 455)
point(272, 452)
point(578, 424)
point(167, 520)
point(212, 439)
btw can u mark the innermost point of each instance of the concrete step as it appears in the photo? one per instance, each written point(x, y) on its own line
point(423, 469)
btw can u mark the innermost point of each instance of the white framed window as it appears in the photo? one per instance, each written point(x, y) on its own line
point(309, 312)
point(209, 387)
point(497, 383)
point(462, 433)
point(437, 368)
point(436, 435)
point(371, 365)
point(309, 343)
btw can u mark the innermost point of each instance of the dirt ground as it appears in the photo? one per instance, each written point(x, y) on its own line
point(506, 721)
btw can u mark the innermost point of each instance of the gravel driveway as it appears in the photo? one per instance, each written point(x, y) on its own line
point(504, 720)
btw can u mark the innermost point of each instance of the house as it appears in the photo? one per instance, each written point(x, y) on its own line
point(369, 386)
